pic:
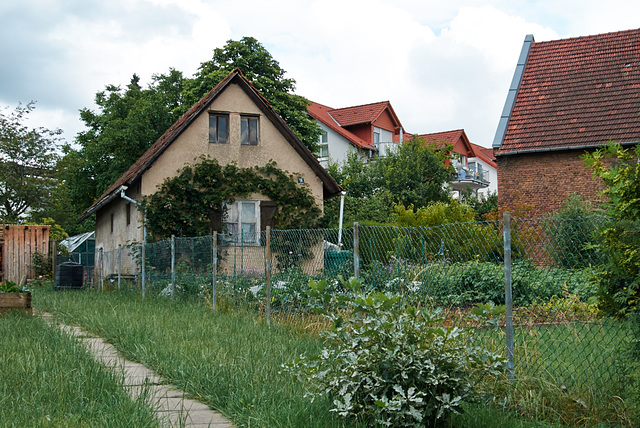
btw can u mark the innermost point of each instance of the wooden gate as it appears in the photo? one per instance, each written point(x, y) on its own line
point(18, 245)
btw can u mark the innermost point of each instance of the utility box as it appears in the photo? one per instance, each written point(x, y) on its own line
point(336, 260)
point(69, 276)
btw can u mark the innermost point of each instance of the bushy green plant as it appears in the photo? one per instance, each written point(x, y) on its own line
point(390, 363)
point(42, 265)
point(572, 233)
point(619, 279)
point(11, 287)
point(435, 214)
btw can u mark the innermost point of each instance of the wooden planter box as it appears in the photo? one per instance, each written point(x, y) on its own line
point(15, 301)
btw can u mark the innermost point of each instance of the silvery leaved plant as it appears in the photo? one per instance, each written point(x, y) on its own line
point(390, 363)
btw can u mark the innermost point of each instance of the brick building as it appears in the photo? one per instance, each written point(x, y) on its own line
point(567, 97)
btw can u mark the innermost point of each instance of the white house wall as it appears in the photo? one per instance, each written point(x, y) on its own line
point(492, 177)
point(339, 147)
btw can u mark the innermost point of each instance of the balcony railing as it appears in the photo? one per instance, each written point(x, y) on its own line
point(480, 175)
point(467, 177)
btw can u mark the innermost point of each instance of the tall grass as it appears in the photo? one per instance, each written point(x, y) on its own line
point(49, 380)
point(229, 360)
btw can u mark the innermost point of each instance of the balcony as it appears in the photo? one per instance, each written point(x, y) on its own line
point(472, 177)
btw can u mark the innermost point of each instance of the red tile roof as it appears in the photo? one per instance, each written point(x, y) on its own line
point(577, 93)
point(321, 113)
point(484, 154)
point(450, 137)
point(356, 115)
point(330, 186)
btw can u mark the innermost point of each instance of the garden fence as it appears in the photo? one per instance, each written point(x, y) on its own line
point(553, 332)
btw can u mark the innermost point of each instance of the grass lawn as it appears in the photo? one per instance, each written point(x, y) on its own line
point(49, 380)
point(231, 361)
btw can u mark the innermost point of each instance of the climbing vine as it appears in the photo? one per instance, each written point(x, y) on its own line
point(192, 203)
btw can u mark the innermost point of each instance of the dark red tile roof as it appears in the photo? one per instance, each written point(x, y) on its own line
point(321, 113)
point(356, 115)
point(485, 154)
point(577, 93)
point(330, 186)
point(363, 114)
point(450, 137)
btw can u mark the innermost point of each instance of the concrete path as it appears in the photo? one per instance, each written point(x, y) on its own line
point(172, 407)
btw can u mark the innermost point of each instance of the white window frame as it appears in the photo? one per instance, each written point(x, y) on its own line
point(236, 221)
point(323, 145)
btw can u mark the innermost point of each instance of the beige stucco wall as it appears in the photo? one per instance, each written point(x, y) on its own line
point(194, 142)
point(123, 234)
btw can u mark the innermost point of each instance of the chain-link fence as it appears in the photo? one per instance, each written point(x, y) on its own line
point(553, 325)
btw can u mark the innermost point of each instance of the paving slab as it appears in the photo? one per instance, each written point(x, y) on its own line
point(173, 408)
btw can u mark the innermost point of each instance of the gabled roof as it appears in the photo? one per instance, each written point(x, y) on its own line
point(330, 186)
point(366, 113)
point(450, 137)
point(573, 94)
point(321, 113)
point(74, 242)
point(484, 154)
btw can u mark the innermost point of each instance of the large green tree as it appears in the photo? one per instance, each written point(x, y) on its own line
point(414, 175)
point(127, 123)
point(28, 158)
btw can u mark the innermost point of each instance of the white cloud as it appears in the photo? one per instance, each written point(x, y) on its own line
point(443, 65)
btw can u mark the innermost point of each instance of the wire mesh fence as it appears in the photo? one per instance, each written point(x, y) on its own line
point(557, 334)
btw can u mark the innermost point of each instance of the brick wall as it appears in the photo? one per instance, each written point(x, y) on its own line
point(543, 181)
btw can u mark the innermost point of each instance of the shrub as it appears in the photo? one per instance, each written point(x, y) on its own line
point(572, 234)
point(390, 363)
point(42, 265)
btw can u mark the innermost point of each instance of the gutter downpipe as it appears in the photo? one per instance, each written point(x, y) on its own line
point(342, 194)
point(144, 232)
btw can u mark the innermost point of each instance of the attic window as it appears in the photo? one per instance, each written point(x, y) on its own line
point(218, 128)
point(249, 130)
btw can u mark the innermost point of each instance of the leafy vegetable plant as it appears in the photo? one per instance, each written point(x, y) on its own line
point(391, 363)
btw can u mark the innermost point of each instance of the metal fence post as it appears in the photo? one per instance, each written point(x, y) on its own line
point(53, 251)
point(214, 273)
point(268, 274)
point(508, 292)
point(173, 267)
point(356, 251)
point(100, 269)
point(144, 256)
point(119, 264)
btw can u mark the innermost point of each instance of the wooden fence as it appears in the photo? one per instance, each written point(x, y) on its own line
point(18, 243)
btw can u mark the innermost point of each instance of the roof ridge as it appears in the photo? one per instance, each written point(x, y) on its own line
point(590, 36)
point(362, 105)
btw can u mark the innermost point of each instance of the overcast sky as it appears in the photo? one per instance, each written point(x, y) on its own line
point(443, 65)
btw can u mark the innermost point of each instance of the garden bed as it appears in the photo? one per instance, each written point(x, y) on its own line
point(15, 301)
